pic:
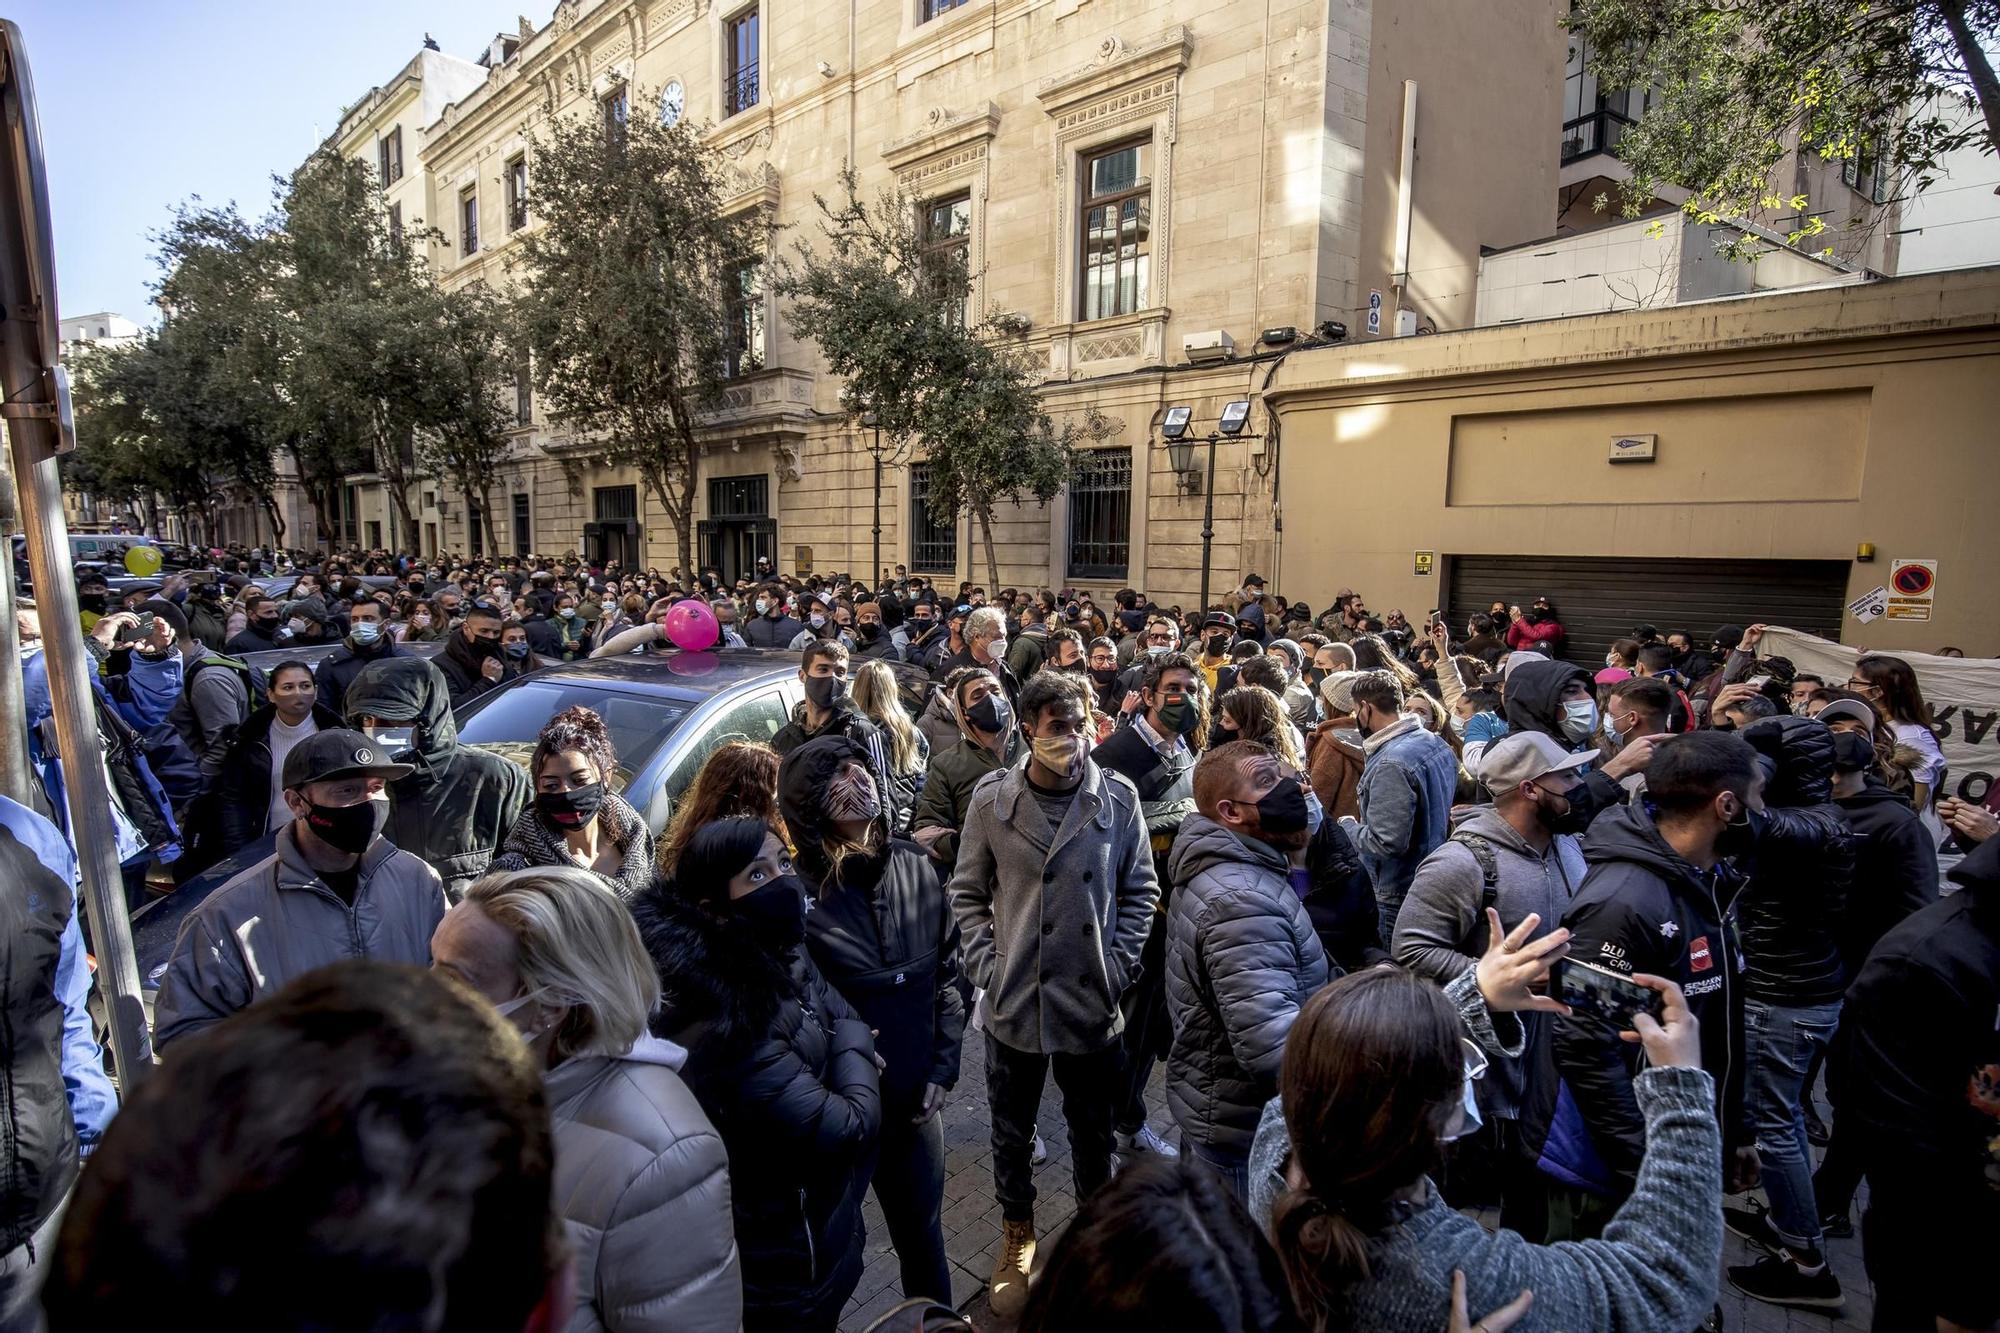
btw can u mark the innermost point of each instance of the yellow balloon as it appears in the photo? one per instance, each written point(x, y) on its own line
point(144, 561)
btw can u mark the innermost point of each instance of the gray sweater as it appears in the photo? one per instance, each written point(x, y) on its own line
point(1655, 1267)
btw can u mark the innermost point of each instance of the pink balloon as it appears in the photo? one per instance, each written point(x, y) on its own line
point(691, 625)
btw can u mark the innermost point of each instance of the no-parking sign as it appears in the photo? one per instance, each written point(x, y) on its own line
point(1912, 583)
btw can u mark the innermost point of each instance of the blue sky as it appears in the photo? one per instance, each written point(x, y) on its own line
point(147, 102)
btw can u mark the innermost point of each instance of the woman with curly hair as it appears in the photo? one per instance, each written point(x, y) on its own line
point(739, 778)
point(1252, 713)
point(575, 818)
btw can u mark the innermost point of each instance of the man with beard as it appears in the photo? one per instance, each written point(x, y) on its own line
point(1242, 955)
point(472, 661)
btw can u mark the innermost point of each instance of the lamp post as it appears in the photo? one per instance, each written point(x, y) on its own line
point(1180, 457)
point(878, 453)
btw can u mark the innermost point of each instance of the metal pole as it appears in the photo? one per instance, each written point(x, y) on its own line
point(34, 434)
point(877, 451)
point(1207, 521)
point(16, 779)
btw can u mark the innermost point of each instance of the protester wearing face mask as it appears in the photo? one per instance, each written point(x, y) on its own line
point(576, 819)
point(332, 889)
point(828, 708)
point(1656, 882)
point(250, 794)
point(1405, 792)
point(1242, 955)
point(781, 1063)
point(1218, 632)
point(1519, 856)
point(986, 648)
point(873, 640)
point(262, 623)
point(1555, 699)
point(1250, 618)
point(770, 626)
point(1537, 628)
point(367, 641)
point(1054, 891)
point(984, 739)
point(471, 660)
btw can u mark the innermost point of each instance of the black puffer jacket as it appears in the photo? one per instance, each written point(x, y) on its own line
point(1895, 869)
point(1341, 901)
point(1534, 703)
point(244, 785)
point(38, 1146)
point(786, 1072)
point(460, 803)
point(1797, 879)
point(882, 932)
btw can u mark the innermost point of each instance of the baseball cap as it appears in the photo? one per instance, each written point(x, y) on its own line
point(1852, 709)
point(339, 753)
point(1525, 756)
point(1218, 618)
point(1253, 580)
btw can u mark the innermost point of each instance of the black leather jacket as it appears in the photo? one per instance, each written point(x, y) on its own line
point(1794, 898)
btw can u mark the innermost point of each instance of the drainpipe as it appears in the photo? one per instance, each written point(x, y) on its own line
point(1406, 194)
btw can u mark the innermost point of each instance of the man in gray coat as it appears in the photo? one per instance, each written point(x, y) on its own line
point(1054, 890)
point(1519, 856)
point(332, 888)
point(1242, 955)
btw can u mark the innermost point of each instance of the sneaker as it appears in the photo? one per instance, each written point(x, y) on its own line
point(1007, 1293)
point(1752, 1224)
point(1776, 1280)
point(1837, 1226)
point(1144, 1140)
point(1039, 1153)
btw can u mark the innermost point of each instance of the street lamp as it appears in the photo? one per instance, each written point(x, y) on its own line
point(1180, 457)
point(878, 452)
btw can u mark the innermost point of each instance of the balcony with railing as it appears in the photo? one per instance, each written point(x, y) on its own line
point(1597, 132)
point(740, 92)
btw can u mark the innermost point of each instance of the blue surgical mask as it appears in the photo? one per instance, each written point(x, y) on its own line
point(1579, 720)
point(1465, 1118)
point(1315, 812)
point(364, 632)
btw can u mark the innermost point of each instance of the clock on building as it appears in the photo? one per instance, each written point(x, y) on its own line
point(673, 101)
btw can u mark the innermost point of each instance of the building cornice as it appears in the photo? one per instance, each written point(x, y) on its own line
point(1116, 66)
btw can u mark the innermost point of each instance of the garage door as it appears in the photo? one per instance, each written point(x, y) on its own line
point(1600, 598)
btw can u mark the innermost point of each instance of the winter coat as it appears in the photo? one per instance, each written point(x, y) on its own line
point(1053, 919)
point(786, 1072)
point(337, 670)
point(534, 841)
point(1525, 634)
point(464, 671)
point(881, 931)
point(277, 919)
point(1334, 760)
point(955, 770)
point(1442, 931)
point(38, 1143)
point(1165, 784)
point(1341, 901)
point(771, 631)
point(643, 1183)
point(244, 788)
point(249, 640)
point(460, 803)
point(1921, 1048)
point(1534, 703)
point(1405, 806)
point(963, 658)
point(1242, 957)
point(1895, 869)
point(938, 724)
point(1641, 909)
point(1798, 875)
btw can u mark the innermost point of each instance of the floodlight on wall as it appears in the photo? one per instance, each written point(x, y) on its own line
point(1235, 416)
point(1175, 424)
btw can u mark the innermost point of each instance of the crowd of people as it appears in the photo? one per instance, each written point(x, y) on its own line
point(462, 1044)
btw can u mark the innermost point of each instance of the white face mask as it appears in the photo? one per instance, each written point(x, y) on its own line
point(1579, 720)
point(1465, 1117)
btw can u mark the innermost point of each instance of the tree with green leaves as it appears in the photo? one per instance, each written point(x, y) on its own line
point(1734, 87)
point(888, 314)
point(625, 295)
point(466, 410)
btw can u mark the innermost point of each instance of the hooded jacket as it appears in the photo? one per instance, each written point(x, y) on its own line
point(1443, 917)
point(1405, 806)
point(534, 841)
point(643, 1182)
point(881, 931)
point(1793, 900)
point(1242, 956)
point(786, 1072)
point(460, 803)
point(1534, 703)
point(1895, 869)
point(938, 722)
point(1642, 908)
point(1334, 759)
point(337, 670)
point(244, 788)
point(464, 669)
point(277, 920)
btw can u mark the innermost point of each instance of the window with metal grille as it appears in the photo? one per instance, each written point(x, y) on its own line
point(389, 156)
point(740, 90)
point(739, 497)
point(612, 503)
point(744, 306)
point(517, 193)
point(395, 226)
point(1100, 516)
point(615, 106)
point(468, 214)
point(524, 391)
point(522, 529)
point(1114, 244)
point(933, 537)
point(947, 245)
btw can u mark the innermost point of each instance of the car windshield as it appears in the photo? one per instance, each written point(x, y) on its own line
point(508, 721)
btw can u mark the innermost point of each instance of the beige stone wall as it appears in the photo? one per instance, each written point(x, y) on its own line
point(1791, 427)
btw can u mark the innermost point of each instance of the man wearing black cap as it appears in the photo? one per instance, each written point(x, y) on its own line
point(1218, 632)
point(332, 888)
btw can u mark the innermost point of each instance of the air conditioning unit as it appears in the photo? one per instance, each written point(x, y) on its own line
point(1207, 348)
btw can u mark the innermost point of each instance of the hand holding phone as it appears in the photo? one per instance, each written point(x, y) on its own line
point(1601, 993)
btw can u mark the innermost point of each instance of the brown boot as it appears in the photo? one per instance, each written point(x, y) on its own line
point(1008, 1291)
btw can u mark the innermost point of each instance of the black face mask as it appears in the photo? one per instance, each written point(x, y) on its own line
point(92, 602)
point(992, 714)
point(1179, 717)
point(1282, 809)
point(266, 624)
point(1104, 675)
point(1314, 675)
point(775, 913)
point(1217, 644)
point(347, 828)
point(825, 691)
point(573, 808)
point(1575, 818)
point(1739, 836)
point(869, 631)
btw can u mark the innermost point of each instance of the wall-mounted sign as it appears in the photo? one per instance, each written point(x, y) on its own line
point(1426, 564)
point(1633, 448)
point(802, 558)
point(1912, 583)
point(1869, 605)
point(1375, 312)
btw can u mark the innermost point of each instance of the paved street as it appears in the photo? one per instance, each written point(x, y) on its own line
point(972, 1223)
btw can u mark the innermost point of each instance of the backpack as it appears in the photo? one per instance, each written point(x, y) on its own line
point(1474, 945)
point(254, 683)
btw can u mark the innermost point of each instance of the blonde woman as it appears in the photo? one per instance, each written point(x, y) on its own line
point(904, 748)
point(641, 1175)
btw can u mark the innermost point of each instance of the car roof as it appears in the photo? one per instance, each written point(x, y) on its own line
point(681, 675)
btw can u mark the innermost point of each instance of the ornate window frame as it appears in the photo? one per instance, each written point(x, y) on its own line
point(1124, 92)
point(953, 152)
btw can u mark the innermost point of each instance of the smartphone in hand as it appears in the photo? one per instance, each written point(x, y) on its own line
point(1589, 989)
